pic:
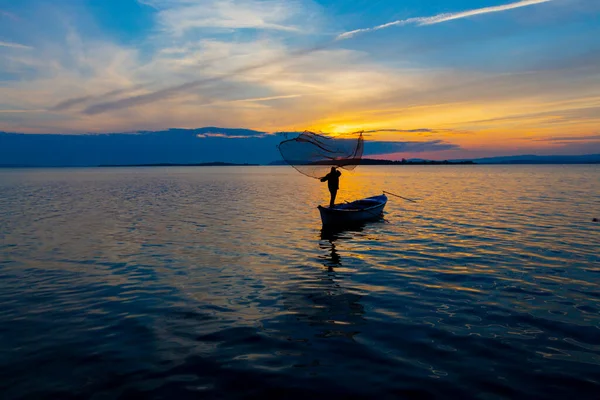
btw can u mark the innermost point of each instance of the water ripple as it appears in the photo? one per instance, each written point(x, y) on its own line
point(219, 283)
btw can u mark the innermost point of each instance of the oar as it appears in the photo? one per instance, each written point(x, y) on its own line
point(399, 196)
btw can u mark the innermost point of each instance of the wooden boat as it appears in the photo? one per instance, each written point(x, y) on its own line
point(353, 212)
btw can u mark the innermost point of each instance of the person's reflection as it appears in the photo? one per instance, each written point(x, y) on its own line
point(321, 302)
point(333, 260)
point(328, 239)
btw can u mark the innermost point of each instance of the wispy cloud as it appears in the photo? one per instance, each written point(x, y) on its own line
point(179, 16)
point(228, 136)
point(418, 130)
point(566, 113)
point(256, 99)
point(176, 90)
point(566, 139)
point(15, 45)
point(8, 15)
point(451, 16)
point(381, 148)
point(75, 101)
point(436, 19)
point(21, 111)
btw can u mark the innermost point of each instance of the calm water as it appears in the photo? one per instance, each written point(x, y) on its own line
point(218, 283)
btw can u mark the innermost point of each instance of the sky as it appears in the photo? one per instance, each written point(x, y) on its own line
point(474, 78)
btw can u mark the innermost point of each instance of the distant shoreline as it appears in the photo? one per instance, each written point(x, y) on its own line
point(212, 164)
point(209, 164)
point(372, 161)
point(279, 164)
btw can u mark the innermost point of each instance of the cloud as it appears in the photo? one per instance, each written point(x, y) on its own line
point(20, 111)
point(75, 101)
point(452, 16)
point(8, 15)
point(379, 148)
point(568, 139)
point(174, 13)
point(226, 136)
point(565, 112)
point(170, 146)
point(418, 130)
point(209, 61)
point(436, 19)
point(15, 45)
point(180, 16)
point(280, 57)
point(254, 99)
point(152, 97)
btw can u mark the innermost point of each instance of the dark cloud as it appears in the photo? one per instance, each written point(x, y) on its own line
point(170, 146)
point(75, 101)
point(568, 139)
point(66, 104)
point(214, 132)
point(378, 148)
point(207, 144)
point(421, 130)
point(388, 147)
point(146, 98)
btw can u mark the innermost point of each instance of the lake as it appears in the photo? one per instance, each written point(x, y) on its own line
point(217, 282)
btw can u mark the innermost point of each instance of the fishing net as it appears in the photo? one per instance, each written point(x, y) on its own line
point(314, 154)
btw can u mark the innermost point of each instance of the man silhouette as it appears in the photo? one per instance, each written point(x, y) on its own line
point(333, 183)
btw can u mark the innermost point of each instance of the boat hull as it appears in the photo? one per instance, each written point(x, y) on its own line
point(357, 212)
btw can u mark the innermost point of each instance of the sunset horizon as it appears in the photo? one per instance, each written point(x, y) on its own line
point(237, 146)
point(500, 78)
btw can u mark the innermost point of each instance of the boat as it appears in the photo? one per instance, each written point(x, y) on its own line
point(354, 212)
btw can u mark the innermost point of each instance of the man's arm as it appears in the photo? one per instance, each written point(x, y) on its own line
point(326, 177)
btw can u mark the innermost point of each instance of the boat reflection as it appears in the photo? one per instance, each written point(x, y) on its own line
point(346, 232)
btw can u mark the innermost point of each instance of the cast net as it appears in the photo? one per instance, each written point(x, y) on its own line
point(314, 154)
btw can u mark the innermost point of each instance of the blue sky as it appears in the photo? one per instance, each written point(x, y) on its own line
point(489, 77)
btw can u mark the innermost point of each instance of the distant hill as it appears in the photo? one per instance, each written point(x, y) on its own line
point(208, 164)
point(371, 161)
point(368, 161)
point(533, 159)
point(520, 159)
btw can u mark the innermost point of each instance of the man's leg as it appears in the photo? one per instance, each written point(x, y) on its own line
point(333, 194)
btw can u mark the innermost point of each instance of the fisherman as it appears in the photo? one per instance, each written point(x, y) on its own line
point(333, 183)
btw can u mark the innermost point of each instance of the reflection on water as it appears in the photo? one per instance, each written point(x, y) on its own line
point(220, 283)
point(321, 301)
point(334, 260)
point(329, 236)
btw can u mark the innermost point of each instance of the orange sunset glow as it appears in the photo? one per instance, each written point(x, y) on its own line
point(459, 79)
